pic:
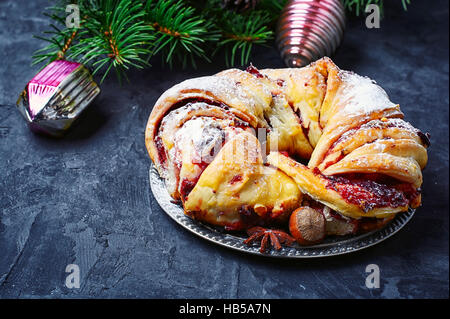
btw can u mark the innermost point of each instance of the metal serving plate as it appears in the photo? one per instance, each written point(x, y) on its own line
point(331, 246)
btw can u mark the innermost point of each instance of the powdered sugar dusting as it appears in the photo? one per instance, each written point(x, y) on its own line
point(394, 122)
point(360, 94)
point(195, 132)
point(378, 124)
point(218, 86)
point(380, 145)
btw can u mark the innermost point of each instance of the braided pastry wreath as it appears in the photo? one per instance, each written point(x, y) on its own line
point(317, 148)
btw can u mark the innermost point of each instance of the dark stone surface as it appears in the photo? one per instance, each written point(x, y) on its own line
point(85, 199)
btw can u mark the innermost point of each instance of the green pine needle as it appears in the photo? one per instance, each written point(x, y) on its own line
point(180, 32)
point(117, 35)
point(114, 35)
point(241, 32)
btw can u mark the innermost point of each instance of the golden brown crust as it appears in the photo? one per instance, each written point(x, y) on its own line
point(316, 186)
point(343, 123)
point(237, 180)
point(246, 104)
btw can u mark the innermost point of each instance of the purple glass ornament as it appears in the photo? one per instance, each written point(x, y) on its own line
point(309, 29)
point(56, 96)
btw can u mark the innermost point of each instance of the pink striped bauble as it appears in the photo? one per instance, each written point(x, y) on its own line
point(309, 29)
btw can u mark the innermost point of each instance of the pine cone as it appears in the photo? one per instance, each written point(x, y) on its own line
point(239, 5)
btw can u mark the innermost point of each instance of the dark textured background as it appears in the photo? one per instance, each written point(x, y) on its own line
point(85, 199)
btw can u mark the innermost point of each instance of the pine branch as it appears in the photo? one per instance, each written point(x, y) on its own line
point(121, 34)
point(114, 35)
point(241, 32)
point(59, 38)
point(181, 33)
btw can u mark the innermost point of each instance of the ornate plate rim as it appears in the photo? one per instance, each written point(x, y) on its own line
point(332, 247)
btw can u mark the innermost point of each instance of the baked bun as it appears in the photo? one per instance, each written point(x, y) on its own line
point(209, 137)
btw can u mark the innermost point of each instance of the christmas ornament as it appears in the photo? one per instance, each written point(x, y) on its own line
point(309, 29)
point(117, 36)
point(56, 96)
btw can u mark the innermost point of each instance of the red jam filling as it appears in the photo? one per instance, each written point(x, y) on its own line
point(186, 187)
point(370, 191)
point(337, 216)
point(161, 151)
point(248, 219)
point(252, 70)
point(235, 179)
point(298, 114)
point(198, 100)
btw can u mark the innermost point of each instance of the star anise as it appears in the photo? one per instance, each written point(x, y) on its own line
point(268, 237)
